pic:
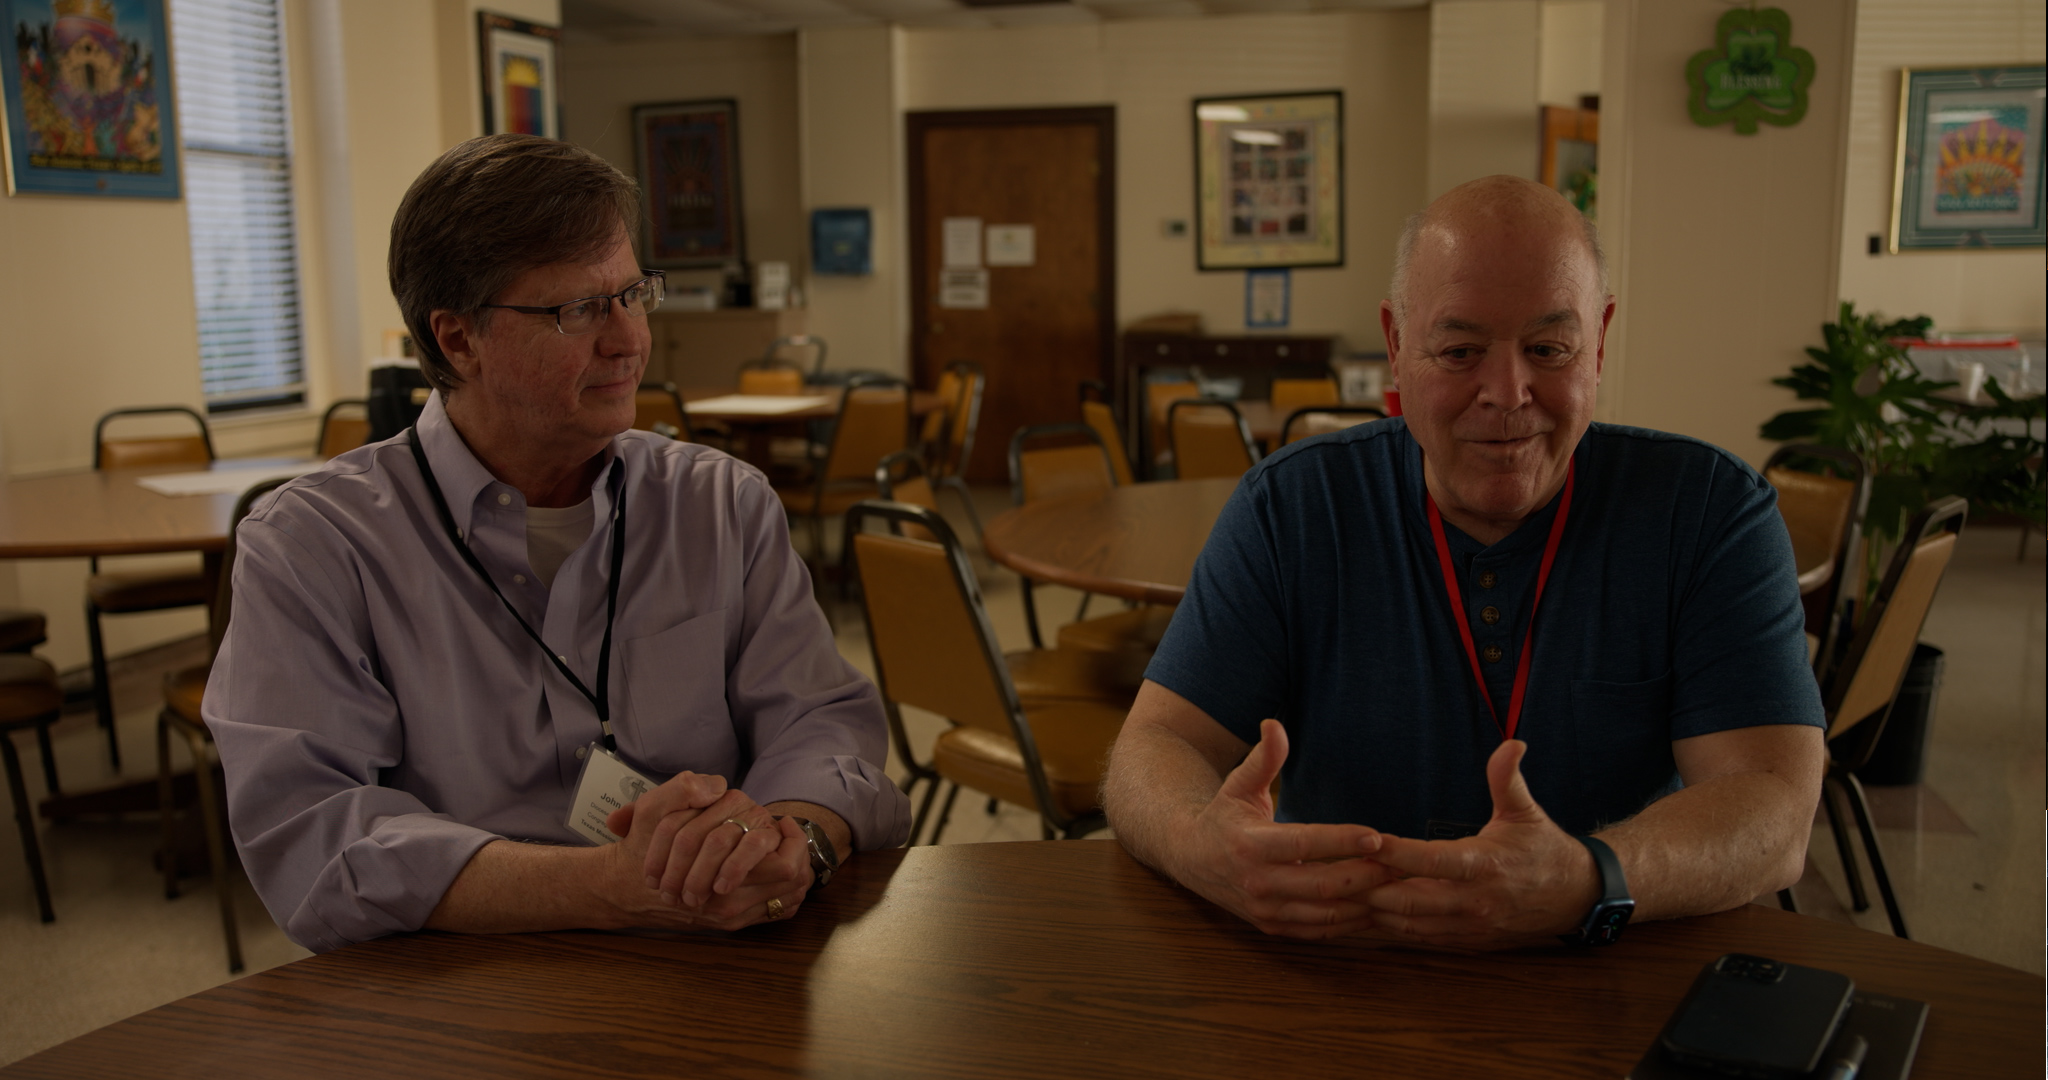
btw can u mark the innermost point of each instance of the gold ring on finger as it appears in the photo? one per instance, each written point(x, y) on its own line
point(744, 829)
point(774, 908)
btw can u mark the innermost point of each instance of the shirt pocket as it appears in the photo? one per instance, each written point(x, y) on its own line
point(1624, 744)
point(677, 717)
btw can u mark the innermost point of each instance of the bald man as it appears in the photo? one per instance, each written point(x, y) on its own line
point(1520, 676)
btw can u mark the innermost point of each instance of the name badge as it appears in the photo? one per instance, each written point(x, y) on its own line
point(607, 784)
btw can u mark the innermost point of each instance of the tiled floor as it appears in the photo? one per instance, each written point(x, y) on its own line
point(1965, 848)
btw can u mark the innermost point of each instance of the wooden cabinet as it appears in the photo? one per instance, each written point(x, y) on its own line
point(1258, 359)
point(706, 348)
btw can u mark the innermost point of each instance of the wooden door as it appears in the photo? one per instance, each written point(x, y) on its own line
point(1048, 325)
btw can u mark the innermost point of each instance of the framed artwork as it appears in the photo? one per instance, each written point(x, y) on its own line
point(88, 107)
point(688, 155)
point(842, 241)
point(1969, 159)
point(519, 74)
point(1269, 181)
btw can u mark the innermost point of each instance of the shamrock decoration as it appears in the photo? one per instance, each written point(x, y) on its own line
point(1754, 73)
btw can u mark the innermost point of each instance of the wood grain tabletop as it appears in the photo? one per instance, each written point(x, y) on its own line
point(1137, 542)
point(76, 514)
point(1057, 959)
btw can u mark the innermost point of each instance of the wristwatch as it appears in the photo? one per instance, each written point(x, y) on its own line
point(1603, 924)
point(824, 860)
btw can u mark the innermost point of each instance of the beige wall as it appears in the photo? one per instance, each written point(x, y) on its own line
point(1485, 60)
point(1569, 68)
point(1150, 70)
point(359, 72)
point(1963, 290)
point(1724, 246)
point(850, 132)
point(602, 82)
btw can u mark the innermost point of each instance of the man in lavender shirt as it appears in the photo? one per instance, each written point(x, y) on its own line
point(400, 751)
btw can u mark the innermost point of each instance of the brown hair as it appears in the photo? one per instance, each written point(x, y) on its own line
point(489, 210)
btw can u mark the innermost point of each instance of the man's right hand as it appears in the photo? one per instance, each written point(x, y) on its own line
point(1290, 880)
point(655, 819)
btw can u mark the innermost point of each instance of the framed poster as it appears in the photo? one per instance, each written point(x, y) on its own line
point(87, 89)
point(688, 155)
point(519, 76)
point(1969, 159)
point(842, 241)
point(1269, 181)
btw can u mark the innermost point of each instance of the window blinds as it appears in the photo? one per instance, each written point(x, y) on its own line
point(234, 123)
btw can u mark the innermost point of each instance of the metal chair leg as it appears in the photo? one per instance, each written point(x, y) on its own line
point(167, 808)
point(924, 810)
point(966, 499)
point(1859, 900)
point(209, 813)
point(102, 688)
point(945, 812)
point(1861, 807)
point(49, 759)
point(25, 819)
point(1031, 614)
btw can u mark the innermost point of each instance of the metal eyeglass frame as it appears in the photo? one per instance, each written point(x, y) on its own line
point(659, 279)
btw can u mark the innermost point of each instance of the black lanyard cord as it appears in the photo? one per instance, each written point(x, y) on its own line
point(601, 700)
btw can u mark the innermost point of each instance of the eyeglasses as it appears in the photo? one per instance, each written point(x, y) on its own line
point(583, 316)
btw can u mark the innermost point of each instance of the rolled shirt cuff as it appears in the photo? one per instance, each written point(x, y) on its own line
point(387, 882)
point(873, 807)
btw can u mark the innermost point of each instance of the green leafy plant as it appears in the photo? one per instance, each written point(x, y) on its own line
point(1916, 446)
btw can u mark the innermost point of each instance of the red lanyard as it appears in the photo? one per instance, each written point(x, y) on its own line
point(1443, 558)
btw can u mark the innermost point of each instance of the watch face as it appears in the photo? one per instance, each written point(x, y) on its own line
point(1605, 927)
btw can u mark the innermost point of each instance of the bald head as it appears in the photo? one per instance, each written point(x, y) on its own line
point(1493, 209)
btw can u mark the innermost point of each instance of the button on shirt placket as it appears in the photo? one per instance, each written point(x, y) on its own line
point(1493, 621)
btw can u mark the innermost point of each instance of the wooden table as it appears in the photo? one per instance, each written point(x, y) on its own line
point(1137, 542)
point(1059, 959)
point(760, 429)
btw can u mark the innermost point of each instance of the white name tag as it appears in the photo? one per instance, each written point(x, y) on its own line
point(607, 784)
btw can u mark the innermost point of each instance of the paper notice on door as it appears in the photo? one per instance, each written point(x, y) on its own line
point(963, 288)
point(963, 243)
point(1012, 245)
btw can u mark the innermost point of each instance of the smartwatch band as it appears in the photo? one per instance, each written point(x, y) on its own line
point(1604, 923)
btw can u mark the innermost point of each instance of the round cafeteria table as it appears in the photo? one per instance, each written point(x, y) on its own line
point(1039, 959)
point(1137, 542)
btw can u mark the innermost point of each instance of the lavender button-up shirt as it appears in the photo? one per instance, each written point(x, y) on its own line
point(380, 716)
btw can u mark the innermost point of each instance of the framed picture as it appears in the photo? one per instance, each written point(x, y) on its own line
point(1969, 159)
point(842, 241)
point(688, 154)
point(519, 76)
point(87, 89)
point(1269, 181)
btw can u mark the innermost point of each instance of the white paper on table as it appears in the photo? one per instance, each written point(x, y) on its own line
point(962, 242)
point(222, 481)
point(757, 404)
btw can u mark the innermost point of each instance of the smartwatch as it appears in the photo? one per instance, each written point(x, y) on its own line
point(1603, 924)
point(824, 860)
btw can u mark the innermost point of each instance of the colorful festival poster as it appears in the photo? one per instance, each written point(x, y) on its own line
point(88, 109)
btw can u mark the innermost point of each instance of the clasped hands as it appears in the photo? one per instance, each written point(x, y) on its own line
point(682, 859)
point(1519, 880)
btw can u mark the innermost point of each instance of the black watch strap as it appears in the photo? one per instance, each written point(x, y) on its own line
point(824, 858)
point(1611, 913)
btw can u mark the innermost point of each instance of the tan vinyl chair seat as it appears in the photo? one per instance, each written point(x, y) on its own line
point(142, 453)
point(1054, 675)
point(777, 380)
point(1073, 740)
point(146, 590)
point(1816, 510)
point(28, 688)
point(1138, 629)
point(1288, 395)
point(183, 691)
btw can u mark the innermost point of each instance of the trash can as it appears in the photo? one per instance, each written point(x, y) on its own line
point(1901, 753)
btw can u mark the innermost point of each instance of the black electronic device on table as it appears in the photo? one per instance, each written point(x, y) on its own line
point(1748, 1016)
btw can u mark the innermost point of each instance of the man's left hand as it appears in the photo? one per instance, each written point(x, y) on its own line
point(1521, 878)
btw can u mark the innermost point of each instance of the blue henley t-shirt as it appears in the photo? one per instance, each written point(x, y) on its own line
point(1672, 611)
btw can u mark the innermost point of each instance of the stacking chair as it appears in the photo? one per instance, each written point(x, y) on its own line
point(1323, 419)
point(779, 350)
point(1824, 515)
point(658, 407)
point(1160, 396)
point(343, 427)
point(1291, 394)
point(1210, 439)
point(183, 692)
point(949, 431)
point(29, 698)
point(1097, 413)
point(125, 592)
point(1073, 468)
point(874, 422)
point(934, 650)
point(1866, 683)
point(771, 376)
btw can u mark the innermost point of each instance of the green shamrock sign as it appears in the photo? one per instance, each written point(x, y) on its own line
point(1753, 73)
